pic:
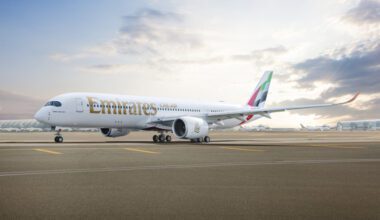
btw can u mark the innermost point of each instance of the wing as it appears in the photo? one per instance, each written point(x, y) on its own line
point(166, 122)
point(266, 111)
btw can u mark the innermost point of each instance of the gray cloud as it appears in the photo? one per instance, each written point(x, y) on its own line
point(353, 71)
point(356, 71)
point(367, 11)
point(14, 106)
point(148, 31)
point(260, 57)
point(350, 69)
point(140, 22)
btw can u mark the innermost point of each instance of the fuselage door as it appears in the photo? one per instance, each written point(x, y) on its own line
point(79, 105)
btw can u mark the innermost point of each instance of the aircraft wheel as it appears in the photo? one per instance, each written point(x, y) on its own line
point(198, 140)
point(168, 138)
point(58, 139)
point(155, 138)
point(207, 139)
point(161, 138)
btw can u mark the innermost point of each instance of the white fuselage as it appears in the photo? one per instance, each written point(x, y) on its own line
point(122, 111)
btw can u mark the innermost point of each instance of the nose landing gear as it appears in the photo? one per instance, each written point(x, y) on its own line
point(58, 137)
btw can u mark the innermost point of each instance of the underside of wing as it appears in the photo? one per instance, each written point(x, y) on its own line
point(161, 124)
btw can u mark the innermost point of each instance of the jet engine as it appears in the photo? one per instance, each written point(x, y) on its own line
point(114, 132)
point(190, 128)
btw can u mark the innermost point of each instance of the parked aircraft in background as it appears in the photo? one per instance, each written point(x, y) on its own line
point(117, 115)
point(255, 128)
point(316, 128)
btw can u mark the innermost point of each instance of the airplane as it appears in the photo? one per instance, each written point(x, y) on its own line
point(316, 128)
point(255, 128)
point(118, 115)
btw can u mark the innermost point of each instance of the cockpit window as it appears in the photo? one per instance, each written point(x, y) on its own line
point(54, 103)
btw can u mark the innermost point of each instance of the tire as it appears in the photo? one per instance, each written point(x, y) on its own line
point(161, 138)
point(168, 138)
point(155, 138)
point(199, 140)
point(58, 139)
point(207, 139)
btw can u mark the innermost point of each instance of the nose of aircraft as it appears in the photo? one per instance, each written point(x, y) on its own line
point(41, 115)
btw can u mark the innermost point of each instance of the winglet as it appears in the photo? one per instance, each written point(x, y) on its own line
point(352, 99)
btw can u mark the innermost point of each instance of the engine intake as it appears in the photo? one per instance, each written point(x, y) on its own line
point(114, 132)
point(190, 128)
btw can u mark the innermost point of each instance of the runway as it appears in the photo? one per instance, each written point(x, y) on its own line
point(240, 175)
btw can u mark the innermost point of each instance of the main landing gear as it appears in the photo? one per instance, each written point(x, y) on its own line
point(162, 138)
point(58, 137)
point(205, 139)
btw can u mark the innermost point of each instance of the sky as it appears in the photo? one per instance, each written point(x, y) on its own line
point(320, 51)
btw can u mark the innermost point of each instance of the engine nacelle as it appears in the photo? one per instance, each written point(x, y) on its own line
point(190, 127)
point(114, 132)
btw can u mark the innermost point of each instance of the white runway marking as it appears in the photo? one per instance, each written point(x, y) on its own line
point(184, 166)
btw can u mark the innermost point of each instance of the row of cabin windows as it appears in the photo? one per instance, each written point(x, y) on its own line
point(160, 109)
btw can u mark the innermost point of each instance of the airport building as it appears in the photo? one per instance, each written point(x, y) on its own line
point(22, 125)
point(32, 125)
point(360, 125)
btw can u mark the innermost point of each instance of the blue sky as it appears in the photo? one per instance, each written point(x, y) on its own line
point(203, 50)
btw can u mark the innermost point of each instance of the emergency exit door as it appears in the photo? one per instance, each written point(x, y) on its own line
point(79, 105)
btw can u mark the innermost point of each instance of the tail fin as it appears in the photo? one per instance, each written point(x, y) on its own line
point(260, 93)
point(302, 126)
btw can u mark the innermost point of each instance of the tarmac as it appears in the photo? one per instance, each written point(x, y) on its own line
point(239, 175)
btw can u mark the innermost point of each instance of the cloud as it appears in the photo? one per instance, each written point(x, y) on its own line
point(150, 31)
point(145, 33)
point(347, 70)
point(14, 106)
point(340, 73)
point(102, 50)
point(356, 71)
point(168, 63)
point(260, 55)
point(199, 61)
point(132, 68)
point(263, 59)
point(366, 12)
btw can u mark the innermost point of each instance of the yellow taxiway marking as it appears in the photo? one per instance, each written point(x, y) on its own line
point(242, 149)
point(141, 151)
point(47, 151)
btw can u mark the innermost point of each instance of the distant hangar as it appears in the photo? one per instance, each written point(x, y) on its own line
point(359, 125)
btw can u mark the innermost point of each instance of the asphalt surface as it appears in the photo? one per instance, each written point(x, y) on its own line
point(277, 175)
